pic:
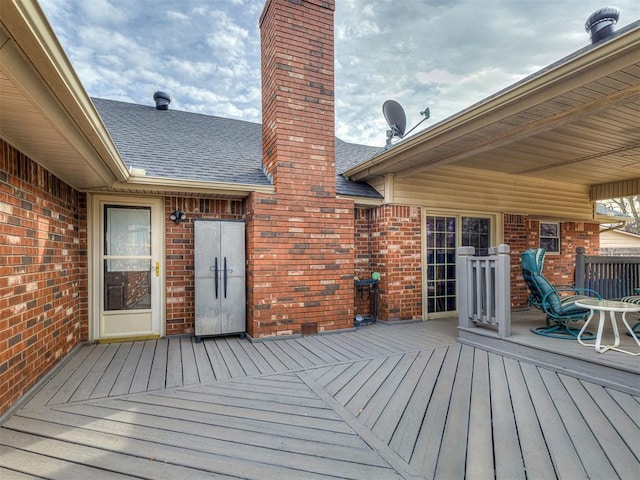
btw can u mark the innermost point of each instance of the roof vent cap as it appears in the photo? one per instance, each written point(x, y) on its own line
point(601, 23)
point(162, 100)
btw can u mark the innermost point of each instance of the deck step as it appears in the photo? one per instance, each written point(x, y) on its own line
point(568, 363)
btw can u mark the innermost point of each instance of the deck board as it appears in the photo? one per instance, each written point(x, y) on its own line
point(617, 416)
point(325, 354)
point(203, 364)
point(535, 456)
point(21, 458)
point(174, 363)
point(334, 344)
point(158, 375)
point(52, 385)
point(426, 449)
point(218, 364)
point(479, 455)
point(262, 364)
point(141, 376)
point(630, 405)
point(559, 443)
point(378, 402)
point(612, 445)
point(274, 362)
point(248, 365)
point(508, 458)
point(386, 423)
point(76, 378)
point(591, 455)
point(361, 398)
point(99, 374)
point(284, 354)
point(165, 410)
point(451, 461)
point(122, 385)
point(190, 374)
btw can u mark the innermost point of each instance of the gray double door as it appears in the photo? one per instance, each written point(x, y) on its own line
point(219, 277)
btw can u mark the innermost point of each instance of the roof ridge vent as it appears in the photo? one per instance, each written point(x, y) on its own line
point(601, 23)
point(162, 100)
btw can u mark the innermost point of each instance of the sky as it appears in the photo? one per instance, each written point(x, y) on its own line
point(442, 54)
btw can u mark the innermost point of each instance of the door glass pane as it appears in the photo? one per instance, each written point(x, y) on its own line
point(127, 258)
point(476, 233)
point(127, 289)
point(127, 231)
point(441, 261)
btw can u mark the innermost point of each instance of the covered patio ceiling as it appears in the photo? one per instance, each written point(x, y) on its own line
point(577, 121)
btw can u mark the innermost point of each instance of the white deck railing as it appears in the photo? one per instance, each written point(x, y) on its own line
point(484, 289)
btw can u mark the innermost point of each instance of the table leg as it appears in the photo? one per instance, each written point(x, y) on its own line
point(616, 333)
point(599, 334)
point(614, 325)
point(584, 328)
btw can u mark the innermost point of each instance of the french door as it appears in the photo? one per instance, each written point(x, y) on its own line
point(127, 269)
point(444, 234)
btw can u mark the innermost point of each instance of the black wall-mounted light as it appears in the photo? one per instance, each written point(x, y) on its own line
point(177, 216)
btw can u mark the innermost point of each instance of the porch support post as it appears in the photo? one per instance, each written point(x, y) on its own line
point(465, 287)
point(580, 268)
point(503, 290)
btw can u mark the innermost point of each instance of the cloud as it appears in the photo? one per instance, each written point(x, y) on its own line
point(444, 54)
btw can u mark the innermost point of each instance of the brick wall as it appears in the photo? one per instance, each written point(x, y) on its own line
point(180, 296)
point(298, 119)
point(521, 233)
point(300, 240)
point(43, 272)
point(300, 265)
point(363, 266)
point(396, 254)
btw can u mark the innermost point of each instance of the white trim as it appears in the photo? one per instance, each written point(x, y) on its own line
point(95, 203)
point(558, 237)
point(496, 236)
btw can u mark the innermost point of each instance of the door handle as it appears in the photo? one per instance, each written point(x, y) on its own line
point(225, 277)
point(216, 276)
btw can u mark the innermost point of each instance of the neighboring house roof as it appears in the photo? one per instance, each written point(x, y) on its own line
point(576, 121)
point(610, 212)
point(180, 145)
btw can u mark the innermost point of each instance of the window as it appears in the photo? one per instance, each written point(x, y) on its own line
point(550, 237)
point(476, 233)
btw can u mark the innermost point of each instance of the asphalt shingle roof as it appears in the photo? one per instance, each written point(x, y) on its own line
point(191, 146)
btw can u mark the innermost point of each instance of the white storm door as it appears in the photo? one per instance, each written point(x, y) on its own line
point(129, 270)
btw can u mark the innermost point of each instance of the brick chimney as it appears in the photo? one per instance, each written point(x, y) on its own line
point(300, 240)
point(298, 126)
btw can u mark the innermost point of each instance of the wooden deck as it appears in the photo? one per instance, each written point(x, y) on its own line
point(382, 402)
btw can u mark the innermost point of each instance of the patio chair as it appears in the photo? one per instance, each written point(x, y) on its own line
point(633, 299)
point(560, 308)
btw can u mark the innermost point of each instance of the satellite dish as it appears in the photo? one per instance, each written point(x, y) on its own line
point(395, 116)
point(397, 120)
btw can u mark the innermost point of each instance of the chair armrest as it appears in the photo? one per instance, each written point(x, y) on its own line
point(579, 291)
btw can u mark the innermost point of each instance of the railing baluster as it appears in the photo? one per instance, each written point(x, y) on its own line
point(611, 276)
point(486, 298)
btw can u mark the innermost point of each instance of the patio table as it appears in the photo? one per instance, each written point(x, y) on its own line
point(613, 307)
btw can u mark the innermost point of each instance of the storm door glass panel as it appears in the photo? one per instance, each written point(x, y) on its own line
point(476, 233)
point(127, 258)
point(441, 264)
